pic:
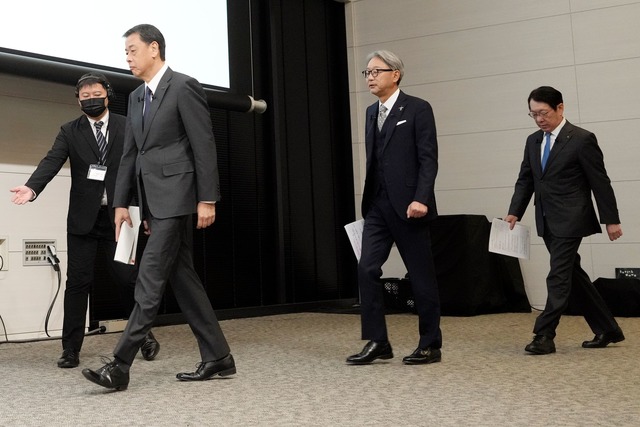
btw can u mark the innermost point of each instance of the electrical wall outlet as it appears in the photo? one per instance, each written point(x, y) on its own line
point(117, 325)
point(4, 253)
point(34, 252)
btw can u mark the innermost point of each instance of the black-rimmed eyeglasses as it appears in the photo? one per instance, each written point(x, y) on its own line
point(374, 73)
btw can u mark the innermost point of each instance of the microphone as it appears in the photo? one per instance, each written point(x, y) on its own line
point(139, 99)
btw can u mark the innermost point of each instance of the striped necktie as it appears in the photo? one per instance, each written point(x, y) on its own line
point(102, 141)
point(382, 115)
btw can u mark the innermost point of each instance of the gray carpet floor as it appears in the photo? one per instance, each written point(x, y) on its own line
point(291, 372)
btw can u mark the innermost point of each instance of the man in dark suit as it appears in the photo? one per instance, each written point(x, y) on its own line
point(89, 220)
point(563, 165)
point(170, 155)
point(398, 203)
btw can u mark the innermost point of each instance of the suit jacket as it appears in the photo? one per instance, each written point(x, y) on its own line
point(574, 170)
point(77, 142)
point(409, 156)
point(174, 153)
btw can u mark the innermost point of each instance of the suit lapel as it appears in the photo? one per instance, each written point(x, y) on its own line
point(135, 112)
point(90, 139)
point(370, 129)
point(157, 101)
point(537, 158)
point(112, 134)
point(561, 141)
point(394, 116)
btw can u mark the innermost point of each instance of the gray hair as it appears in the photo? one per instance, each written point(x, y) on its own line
point(391, 59)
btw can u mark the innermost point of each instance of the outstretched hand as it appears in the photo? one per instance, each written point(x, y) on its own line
point(21, 194)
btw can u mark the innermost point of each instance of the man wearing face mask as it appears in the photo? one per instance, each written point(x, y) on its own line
point(93, 145)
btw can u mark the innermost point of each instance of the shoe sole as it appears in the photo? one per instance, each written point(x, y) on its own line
point(226, 372)
point(68, 365)
point(381, 357)
point(539, 353)
point(223, 373)
point(409, 362)
point(603, 346)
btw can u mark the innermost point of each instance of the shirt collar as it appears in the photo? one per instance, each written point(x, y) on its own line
point(554, 133)
point(104, 120)
point(391, 101)
point(155, 81)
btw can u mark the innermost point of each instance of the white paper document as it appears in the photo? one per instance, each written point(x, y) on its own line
point(354, 231)
point(128, 239)
point(513, 243)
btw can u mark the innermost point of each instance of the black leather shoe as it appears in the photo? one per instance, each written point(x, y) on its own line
point(150, 348)
point(206, 370)
point(541, 344)
point(371, 351)
point(602, 340)
point(69, 359)
point(110, 375)
point(423, 356)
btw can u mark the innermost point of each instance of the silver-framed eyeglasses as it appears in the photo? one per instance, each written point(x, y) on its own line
point(535, 114)
point(374, 73)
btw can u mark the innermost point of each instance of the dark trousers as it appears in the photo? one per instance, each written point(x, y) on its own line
point(82, 252)
point(382, 228)
point(566, 282)
point(168, 257)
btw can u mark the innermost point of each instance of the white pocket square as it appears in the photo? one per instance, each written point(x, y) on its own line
point(401, 122)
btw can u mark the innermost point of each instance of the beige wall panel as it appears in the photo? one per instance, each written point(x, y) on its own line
point(378, 21)
point(619, 143)
point(486, 51)
point(607, 34)
point(29, 127)
point(491, 103)
point(480, 160)
point(357, 119)
point(31, 113)
point(582, 5)
point(359, 165)
point(609, 90)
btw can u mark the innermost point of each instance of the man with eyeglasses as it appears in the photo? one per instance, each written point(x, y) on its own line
point(563, 165)
point(397, 204)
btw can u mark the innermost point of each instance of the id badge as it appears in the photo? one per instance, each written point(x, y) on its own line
point(97, 172)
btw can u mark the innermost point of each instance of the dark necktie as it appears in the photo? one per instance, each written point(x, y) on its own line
point(382, 115)
point(148, 95)
point(547, 150)
point(102, 141)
